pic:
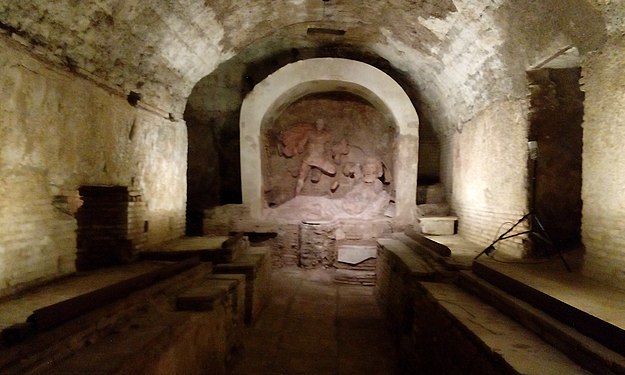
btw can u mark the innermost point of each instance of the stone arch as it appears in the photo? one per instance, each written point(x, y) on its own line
point(330, 74)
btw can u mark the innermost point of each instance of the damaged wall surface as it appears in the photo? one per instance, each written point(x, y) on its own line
point(59, 132)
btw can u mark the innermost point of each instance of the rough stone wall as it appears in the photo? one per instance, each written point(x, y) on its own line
point(490, 172)
point(58, 132)
point(160, 50)
point(603, 179)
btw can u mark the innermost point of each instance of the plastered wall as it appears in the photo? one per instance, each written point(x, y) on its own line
point(58, 132)
point(488, 162)
point(603, 173)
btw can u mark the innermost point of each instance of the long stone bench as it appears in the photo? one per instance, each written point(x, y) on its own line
point(455, 332)
point(139, 332)
point(156, 343)
point(587, 352)
point(398, 269)
point(442, 328)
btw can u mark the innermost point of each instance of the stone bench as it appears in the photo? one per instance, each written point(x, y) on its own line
point(255, 264)
point(457, 333)
point(398, 268)
point(140, 332)
point(443, 329)
point(227, 290)
point(216, 249)
point(155, 343)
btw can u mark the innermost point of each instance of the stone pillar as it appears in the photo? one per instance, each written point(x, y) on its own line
point(317, 244)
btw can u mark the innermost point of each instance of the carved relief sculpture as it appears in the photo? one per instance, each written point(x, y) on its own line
point(362, 177)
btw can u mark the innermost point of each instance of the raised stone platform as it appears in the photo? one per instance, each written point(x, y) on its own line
point(355, 262)
point(486, 330)
point(255, 264)
point(216, 249)
point(591, 354)
point(102, 324)
point(594, 309)
point(460, 334)
point(156, 316)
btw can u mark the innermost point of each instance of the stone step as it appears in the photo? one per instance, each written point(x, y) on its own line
point(477, 338)
point(354, 277)
point(580, 348)
point(225, 291)
point(595, 310)
point(155, 343)
point(47, 317)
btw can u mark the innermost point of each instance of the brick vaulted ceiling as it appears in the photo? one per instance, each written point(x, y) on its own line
point(458, 54)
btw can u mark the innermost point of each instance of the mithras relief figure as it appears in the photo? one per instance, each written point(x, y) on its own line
point(315, 144)
point(364, 195)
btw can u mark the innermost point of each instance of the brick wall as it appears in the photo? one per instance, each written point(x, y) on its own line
point(603, 166)
point(488, 162)
point(37, 239)
point(59, 132)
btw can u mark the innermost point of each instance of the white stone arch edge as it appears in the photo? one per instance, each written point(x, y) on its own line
point(327, 74)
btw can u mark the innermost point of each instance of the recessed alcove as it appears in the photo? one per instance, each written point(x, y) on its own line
point(292, 84)
point(356, 132)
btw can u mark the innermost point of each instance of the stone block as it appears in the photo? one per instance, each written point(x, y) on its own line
point(438, 226)
point(354, 254)
point(317, 245)
point(236, 321)
point(364, 229)
point(255, 264)
point(433, 209)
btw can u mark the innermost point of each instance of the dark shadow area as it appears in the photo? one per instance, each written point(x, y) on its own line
point(556, 115)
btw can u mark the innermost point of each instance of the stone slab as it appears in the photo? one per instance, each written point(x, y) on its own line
point(355, 254)
point(204, 297)
point(216, 249)
point(438, 225)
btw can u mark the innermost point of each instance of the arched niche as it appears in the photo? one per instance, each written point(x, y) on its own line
point(319, 75)
point(357, 131)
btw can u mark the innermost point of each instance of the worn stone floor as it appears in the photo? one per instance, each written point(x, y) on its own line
point(315, 326)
